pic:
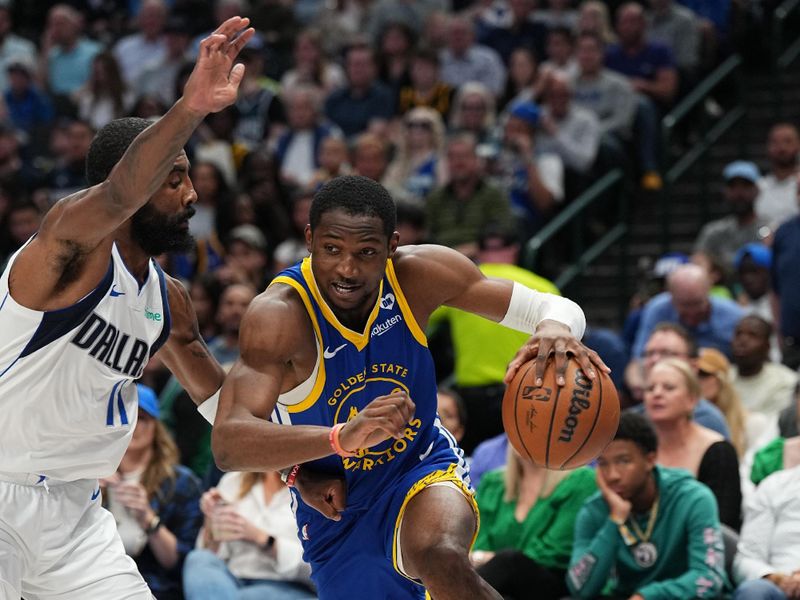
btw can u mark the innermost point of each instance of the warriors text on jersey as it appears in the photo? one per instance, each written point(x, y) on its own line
point(67, 396)
point(352, 369)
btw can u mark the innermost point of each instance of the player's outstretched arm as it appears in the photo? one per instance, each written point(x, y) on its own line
point(185, 353)
point(80, 223)
point(555, 323)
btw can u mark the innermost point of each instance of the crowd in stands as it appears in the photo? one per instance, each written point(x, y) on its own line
point(483, 119)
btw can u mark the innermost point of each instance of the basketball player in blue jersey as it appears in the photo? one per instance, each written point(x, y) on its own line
point(83, 306)
point(335, 376)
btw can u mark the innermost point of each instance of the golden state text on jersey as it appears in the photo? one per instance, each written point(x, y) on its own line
point(352, 369)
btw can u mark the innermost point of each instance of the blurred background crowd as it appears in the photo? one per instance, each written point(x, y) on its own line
point(485, 119)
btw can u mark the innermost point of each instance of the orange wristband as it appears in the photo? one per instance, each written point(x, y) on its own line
point(333, 438)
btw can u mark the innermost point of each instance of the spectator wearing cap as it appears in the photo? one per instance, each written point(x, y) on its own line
point(765, 387)
point(709, 319)
point(135, 52)
point(155, 501)
point(66, 54)
point(463, 60)
point(158, 77)
point(786, 292)
point(749, 429)
point(719, 240)
point(482, 348)
point(12, 45)
point(364, 100)
point(456, 212)
point(752, 265)
point(534, 178)
point(29, 109)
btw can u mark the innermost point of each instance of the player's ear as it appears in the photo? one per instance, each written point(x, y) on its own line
point(394, 240)
point(309, 237)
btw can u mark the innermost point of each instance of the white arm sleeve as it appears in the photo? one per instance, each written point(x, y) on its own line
point(528, 308)
point(208, 407)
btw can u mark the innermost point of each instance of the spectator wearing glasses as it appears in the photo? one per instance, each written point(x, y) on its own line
point(474, 111)
point(710, 320)
point(669, 340)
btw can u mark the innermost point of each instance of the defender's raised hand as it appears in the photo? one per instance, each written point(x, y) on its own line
point(214, 82)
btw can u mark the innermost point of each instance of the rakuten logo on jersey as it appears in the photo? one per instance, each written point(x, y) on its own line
point(382, 328)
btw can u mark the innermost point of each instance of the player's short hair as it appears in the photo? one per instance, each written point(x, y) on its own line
point(356, 196)
point(110, 144)
point(637, 428)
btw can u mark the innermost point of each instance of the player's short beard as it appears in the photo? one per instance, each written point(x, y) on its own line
point(157, 233)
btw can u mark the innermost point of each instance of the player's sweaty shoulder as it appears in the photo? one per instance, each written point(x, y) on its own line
point(276, 321)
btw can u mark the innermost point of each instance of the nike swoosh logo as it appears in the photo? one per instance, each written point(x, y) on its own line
point(96, 494)
point(328, 353)
point(114, 293)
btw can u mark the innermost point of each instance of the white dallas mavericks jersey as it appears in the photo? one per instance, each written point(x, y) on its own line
point(68, 401)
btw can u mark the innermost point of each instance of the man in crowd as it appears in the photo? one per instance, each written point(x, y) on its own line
point(777, 200)
point(763, 386)
point(719, 240)
point(654, 532)
point(687, 301)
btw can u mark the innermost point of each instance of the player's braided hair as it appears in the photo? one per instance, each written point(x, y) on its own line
point(355, 195)
point(109, 145)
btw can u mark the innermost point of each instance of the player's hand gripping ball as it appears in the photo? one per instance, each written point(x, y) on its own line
point(560, 427)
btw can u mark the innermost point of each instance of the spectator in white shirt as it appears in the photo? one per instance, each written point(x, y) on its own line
point(777, 199)
point(248, 542)
point(767, 564)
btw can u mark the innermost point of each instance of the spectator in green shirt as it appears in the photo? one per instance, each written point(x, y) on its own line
point(527, 518)
point(483, 348)
point(456, 212)
point(650, 533)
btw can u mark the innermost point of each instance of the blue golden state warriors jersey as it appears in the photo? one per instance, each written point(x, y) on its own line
point(362, 550)
point(356, 367)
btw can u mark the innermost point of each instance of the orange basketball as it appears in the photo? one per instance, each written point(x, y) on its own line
point(560, 427)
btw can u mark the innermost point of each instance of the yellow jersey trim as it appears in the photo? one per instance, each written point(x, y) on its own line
point(319, 384)
point(413, 326)
point(431, 478)
point(359, 340)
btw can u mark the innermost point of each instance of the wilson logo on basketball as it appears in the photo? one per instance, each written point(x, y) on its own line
point(540, 394)
point(577, 404)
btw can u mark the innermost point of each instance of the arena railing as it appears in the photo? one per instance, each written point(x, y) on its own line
point(708, 127)
point(783, 58)
point(576, 216)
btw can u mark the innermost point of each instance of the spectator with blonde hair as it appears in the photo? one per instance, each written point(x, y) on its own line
point(155, 501)
point(474, 110)
point(418, 168)
point(528, 515)
point(748, 430)
point(670, 398)
point(593, 18)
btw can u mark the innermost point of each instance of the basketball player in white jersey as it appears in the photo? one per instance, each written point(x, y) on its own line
point(82, 308)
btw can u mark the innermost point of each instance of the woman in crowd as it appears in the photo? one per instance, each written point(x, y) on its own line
point(749, 430)
point(593, 18)
point(670, 397)
point(527, 519)
point(524, 82)
point(248, 547)
point(418, 167)
point(474, 111)
point(155, 501)
point(105, 96)
point(310, 65)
